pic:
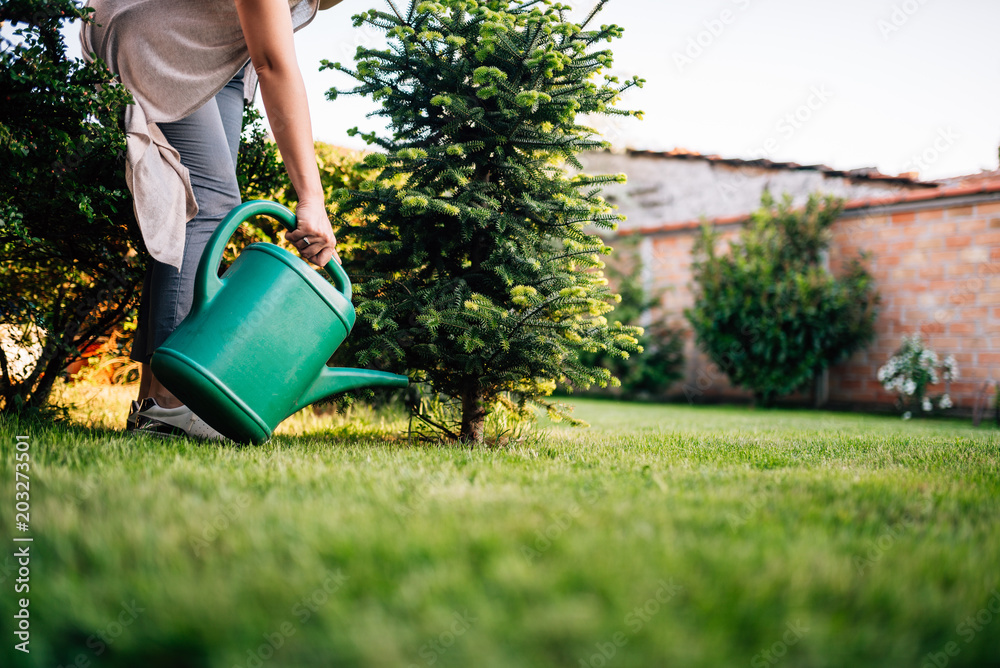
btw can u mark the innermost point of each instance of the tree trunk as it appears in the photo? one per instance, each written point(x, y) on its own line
point(821, 388)
point(473, 415)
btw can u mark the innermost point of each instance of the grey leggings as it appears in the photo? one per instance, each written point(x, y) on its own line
point(208, 141)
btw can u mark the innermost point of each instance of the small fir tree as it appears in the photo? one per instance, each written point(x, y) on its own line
point(476, 275)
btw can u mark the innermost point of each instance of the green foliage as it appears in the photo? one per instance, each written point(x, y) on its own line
point(259, 169)
point(768, 313)
point(70, 254)
point(473, 271)
point(261, 175)
point(653, 370)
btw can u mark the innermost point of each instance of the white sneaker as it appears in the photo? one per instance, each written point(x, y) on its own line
point(148, 417)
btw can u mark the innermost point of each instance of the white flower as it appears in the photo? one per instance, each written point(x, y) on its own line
point(945, 401)
point(951, 368)
point(926, 405)
point(909, 387)
point(907, 415)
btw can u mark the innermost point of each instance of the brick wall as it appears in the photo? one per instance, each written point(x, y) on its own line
point(938, 271)
point(937, 267)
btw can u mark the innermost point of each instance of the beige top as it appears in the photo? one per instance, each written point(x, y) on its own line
point(174, 56)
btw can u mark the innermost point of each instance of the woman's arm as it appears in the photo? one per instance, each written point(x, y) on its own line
point(267, 27)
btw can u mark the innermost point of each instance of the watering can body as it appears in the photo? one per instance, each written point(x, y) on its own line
point(253, 349)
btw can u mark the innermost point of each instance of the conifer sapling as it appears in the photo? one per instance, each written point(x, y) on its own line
point(473, 266)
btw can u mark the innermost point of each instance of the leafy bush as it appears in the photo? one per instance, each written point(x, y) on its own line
point(473, 272)
point(71, 259)
point(259, 169)
point(768, 313)
point(910, 372)
point(261, 175)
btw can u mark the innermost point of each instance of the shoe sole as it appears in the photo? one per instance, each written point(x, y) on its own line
point(152, 427)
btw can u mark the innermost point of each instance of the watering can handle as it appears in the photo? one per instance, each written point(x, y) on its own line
point(207, 282)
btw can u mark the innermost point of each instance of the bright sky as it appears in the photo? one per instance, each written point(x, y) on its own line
point(901, 85)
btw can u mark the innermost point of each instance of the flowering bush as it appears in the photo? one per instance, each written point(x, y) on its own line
point(911, 370)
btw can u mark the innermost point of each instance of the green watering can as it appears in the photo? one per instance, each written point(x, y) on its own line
point(253, 349)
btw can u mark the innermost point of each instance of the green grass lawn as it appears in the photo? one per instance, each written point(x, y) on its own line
point(660, 536)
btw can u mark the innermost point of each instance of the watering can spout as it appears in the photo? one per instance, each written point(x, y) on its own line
point(334, 380)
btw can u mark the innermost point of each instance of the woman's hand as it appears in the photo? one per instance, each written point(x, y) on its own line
point(313, 234)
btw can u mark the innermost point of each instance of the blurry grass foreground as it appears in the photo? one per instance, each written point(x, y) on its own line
point(661, 536)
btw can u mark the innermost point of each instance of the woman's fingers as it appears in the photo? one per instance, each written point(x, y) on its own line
point(313, 235)
point(324, 257)
point(318, 252)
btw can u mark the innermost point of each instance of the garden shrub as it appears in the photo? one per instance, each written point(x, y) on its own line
point(71, 259)
point(767, 312)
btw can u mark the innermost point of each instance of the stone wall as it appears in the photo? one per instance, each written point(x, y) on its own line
point(666, 188)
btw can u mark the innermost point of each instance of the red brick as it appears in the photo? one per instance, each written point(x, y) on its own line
point(945, 286)
point(976, 313)
point(961, 211)
point(931, 214)
point(988, 239)
point(977, 372)
point(850, 251)
point(871, 383)
point(971, 226)
point(868, 222)
point(915, 258)
point(959, 270)
point(962, 328)
point(946, 344)
point(958, 241)
point(903, 217)
point(903, 274)
point(941, 230)
point(988, 359)
point(989, 207)
point(942, 256)
point(964, 358)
